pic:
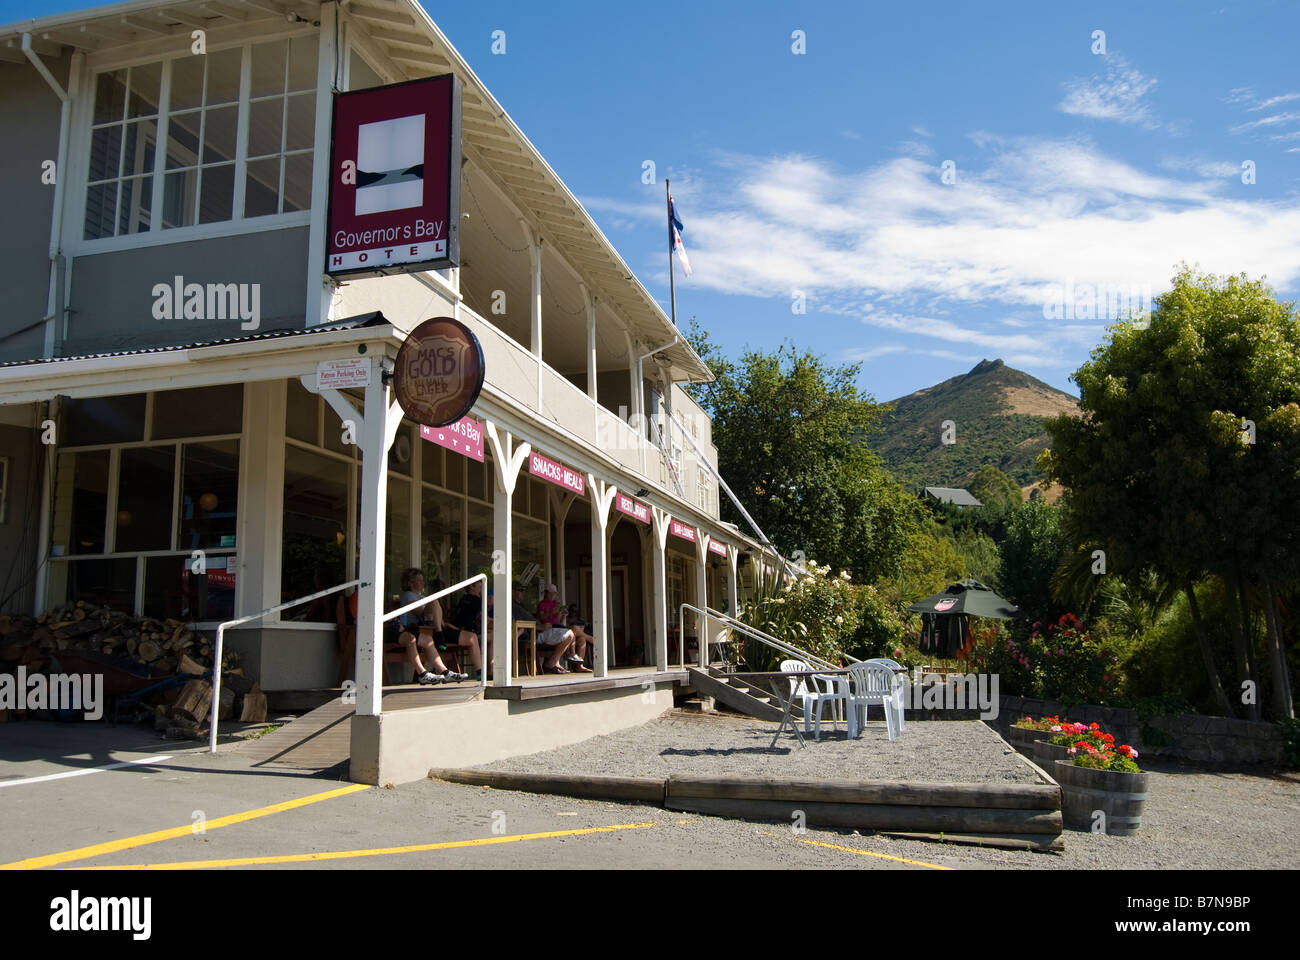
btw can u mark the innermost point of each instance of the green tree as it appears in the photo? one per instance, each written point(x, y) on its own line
point(1184, 458)
point(1031, 553)
point(790, 432)
point(991, 486)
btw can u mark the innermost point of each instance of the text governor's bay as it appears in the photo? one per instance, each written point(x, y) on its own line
point(394, 197)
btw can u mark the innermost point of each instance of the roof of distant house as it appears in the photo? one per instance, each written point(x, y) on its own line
point(956, 495)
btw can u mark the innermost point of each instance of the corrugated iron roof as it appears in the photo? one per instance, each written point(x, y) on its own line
point(373, 319)
point(956, 495)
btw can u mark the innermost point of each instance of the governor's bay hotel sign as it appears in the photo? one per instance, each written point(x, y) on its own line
point(394, 198)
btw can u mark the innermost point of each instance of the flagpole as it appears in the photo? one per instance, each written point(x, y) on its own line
point(672, 282)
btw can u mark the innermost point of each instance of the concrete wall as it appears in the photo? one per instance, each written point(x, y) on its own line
point(113, 300)
point(19, 525)
point(288, 658)
point(404, 745)
point(29, 113)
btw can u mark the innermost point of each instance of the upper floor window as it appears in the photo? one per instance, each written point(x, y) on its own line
point(237, 129)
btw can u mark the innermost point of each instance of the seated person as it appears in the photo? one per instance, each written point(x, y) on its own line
point(447, 634)
point(549, 611)
point(469, 614)
point(558, 642)
point(581, 637)
point(574, 615)
point(413, 631)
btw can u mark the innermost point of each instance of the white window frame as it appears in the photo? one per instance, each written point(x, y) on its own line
point(74, 223)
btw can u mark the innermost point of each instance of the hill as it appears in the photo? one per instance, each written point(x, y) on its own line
point(997, 414)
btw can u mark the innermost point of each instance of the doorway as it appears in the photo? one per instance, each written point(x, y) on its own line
point(621, 653)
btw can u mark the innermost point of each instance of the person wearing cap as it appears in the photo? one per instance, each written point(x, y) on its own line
point(549, 611)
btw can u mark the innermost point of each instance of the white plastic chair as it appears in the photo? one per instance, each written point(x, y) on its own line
point(869, 683)
point(812, 694)
point(900, 685)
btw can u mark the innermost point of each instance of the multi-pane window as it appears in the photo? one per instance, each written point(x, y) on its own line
point(145, 513)
point(237, 128)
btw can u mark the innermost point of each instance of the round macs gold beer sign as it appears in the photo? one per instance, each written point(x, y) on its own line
point(439, 372)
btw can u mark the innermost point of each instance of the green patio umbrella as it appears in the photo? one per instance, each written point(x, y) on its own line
point(971, 598)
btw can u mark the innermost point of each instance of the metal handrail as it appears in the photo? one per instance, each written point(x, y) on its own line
point(221, 630)
point(780, 645)
point(425, 601)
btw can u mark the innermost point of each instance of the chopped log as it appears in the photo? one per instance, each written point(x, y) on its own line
point(42, 633)
point(254, 706)
point(227, 708)
point(236, 681)
point(166, 663)
point(184, 731)
point(79, 613)
point(131, 644)
point(187, 665)
point(148, 651)
point(194, 702)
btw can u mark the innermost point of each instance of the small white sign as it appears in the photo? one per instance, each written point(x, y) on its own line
point(338, 374)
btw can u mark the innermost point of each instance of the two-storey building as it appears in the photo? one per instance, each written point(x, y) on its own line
point(164, 179)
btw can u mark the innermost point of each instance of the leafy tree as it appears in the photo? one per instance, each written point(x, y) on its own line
point(789, 431)
point(1031, 554)
point(991, 486)
point(1184, 458)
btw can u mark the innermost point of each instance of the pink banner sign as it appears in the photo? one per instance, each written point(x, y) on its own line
point(718, 547)
point(557, 473)
point(465, 437)
point(633, 508)
point(679, 529)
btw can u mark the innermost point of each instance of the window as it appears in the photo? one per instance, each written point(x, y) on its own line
point(703, 485)
point(129, 511)
point(315, 518)
point(232, 149)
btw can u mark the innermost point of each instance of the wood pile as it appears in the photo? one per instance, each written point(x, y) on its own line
point(144, 646)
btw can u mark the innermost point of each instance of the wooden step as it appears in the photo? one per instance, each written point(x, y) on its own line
point(733, 695)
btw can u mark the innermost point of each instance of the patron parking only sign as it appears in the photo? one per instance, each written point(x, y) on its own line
point(394, 199)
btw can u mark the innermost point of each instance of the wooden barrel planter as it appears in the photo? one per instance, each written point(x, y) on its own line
point(1119, 796)
point(1022, 738)
point(1045, 753)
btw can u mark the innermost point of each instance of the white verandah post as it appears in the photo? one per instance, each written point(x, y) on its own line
point(602, 495)
point(659, 591)
point(507, 458)
point(379, 427)
point(702, 594)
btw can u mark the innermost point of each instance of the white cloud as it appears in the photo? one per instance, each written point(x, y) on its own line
point(1116, 96)
point(976, 266)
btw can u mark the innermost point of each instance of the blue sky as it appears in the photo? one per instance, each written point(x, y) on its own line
point(1076, 172)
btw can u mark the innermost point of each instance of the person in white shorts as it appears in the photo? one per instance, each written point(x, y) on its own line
point(558, 641)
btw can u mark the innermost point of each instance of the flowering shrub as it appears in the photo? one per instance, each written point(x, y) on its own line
point(825, 614)
point(994, 652)
point(1073, 666)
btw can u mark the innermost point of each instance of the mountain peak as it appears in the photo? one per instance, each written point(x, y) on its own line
point(986, 366)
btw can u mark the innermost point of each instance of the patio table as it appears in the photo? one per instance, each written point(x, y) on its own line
point(787, 699)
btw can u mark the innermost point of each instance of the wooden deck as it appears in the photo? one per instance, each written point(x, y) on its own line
point(566, 684)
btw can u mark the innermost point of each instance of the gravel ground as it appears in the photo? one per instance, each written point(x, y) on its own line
point(719, 744)
point(1194, 818)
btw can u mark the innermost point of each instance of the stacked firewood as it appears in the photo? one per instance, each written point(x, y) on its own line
point(145, 646)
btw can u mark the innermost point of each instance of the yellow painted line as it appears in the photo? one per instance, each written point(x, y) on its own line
point(882, 856)
point(126, 843)
point(865, 853)
point(376, 852)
